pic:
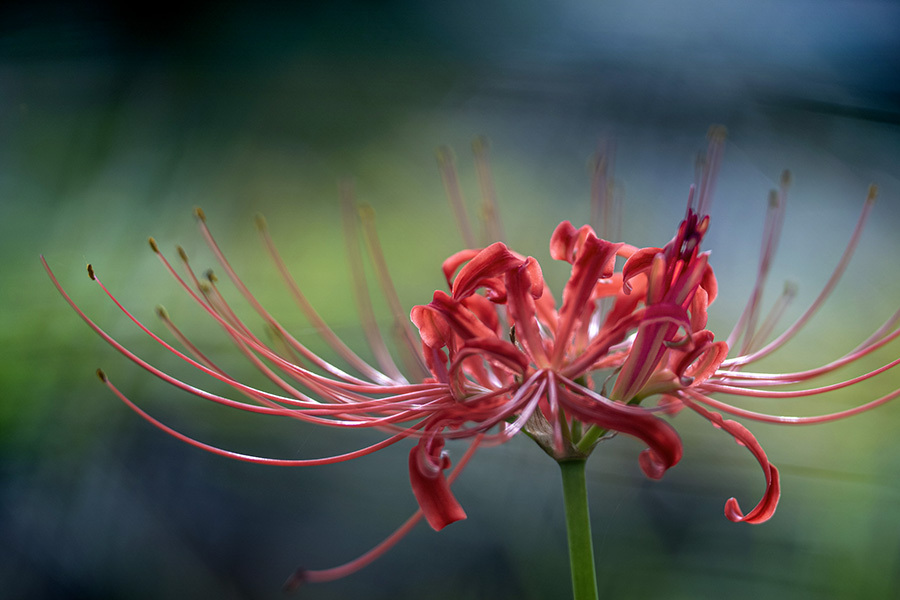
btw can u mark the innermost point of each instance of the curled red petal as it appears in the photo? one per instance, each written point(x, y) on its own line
point(433, 327)
point(455, 261)
point(655, 315)
point(686, 284)
point(765, 508)
point(562, 242)
point(535, 275)
point(699, 306)
point(699, 364)
point(595, 260)
point(545, 306)
point(709, 284)
point(637, 263)
point(665, 447)
point(436, 361)
point(430, 487)
point(658, 324)
point(491, 262)
point(651, 464)
point(520, 285)
point(484, 310)
point(461, 320)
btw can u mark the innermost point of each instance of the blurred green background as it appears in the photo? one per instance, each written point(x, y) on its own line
point(114, 124)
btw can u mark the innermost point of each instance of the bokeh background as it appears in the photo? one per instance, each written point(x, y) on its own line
point(114, 124)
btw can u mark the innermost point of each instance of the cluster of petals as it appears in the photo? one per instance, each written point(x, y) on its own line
point(496, 355)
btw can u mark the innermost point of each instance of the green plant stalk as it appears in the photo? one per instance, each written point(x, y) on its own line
point(578, 527)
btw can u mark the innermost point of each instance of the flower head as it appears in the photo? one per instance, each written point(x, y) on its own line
point(496, 354)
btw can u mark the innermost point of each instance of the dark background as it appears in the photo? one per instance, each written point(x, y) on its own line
point(115, 123)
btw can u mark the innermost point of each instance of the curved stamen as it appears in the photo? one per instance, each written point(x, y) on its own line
point(742, 391)
point(867, 347)
point(282, 462)
point(788, 420)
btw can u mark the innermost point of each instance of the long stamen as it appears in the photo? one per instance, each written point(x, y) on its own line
point(350, 221)
point(857, 353)
point(742, 391)
point(321, 327)
point(447, 166)
point(282, 462)
point(304, 351)
point(771, 234)
point(716, 137)
point(605, 209)
point(163, 315)
point(407, 338)
point(787, 420)
point(490, 216)
point(823, 295)
point(775, 313)
point(272, 403)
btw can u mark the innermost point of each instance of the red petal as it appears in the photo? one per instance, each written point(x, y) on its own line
point(703, 360)
point(764, 510)
point(562, 242)
point(546, 310)
point(433, 328)
point(484, 310)
point(709, 284)
point(491, 262)
point(595, 260)
point(461, 320)
point(665, 448)
point(431, 489)
point(455, 261)
point(566, 242)
point(699, 306)
point(639, 262)
point(658, 324)
point(520, 288)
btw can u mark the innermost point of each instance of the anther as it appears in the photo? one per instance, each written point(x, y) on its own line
point(717, 133)
point(873, 193)
point(182, 254)
point(102, 375)
point(211, 276)
point(480, 145)
point(786, 178)
point(198, 212)
point(261, 222)
point(153, 244)
point(90, 270)
point(366, 213)
point(162, 313)
point(444, 155)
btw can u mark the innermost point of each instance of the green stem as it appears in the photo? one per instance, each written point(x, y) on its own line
point(578, 526)
point(590, 437)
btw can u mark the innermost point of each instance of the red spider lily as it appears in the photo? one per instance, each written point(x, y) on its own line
point(495, 356)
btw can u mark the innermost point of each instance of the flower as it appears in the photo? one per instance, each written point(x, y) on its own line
point(496, 355)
